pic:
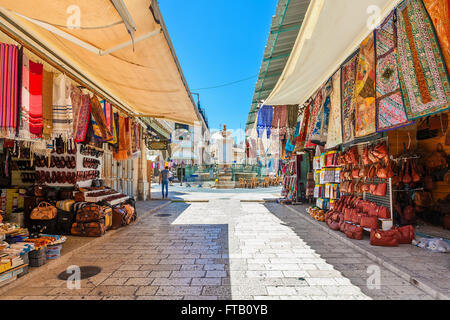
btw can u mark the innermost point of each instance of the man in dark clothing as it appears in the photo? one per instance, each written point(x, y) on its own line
point(164, 180)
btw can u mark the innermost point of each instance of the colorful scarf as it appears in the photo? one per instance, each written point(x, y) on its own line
point(124, 150)
point(365, 89)
point(115, 140)
point(301, 139)
point(291, 121)
point(47, 109)
point(264, 121)
point(279, 119)
point(334, 136)
point(389, 103)
point(314, 121)
point(325, 115)
point(101, 130)
point(84, 115)
point(423, 75)
point(31, 110)
point(9, 89)
point(348, 78)
point(62, 108)
point(107, 110)
point(439, 11)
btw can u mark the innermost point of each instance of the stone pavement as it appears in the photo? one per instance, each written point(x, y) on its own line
point(430, 270)
point(224, 249)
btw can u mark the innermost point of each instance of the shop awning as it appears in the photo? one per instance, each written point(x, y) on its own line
point(121, 46)
point(332, 30)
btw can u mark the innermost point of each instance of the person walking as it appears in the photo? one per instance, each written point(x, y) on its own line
point(164, 180)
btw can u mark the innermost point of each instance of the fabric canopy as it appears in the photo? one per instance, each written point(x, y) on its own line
point(145, 77)
point(331, 31)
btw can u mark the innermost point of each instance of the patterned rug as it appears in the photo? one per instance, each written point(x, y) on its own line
point(365, 89)
point(314, 121)
point(391, 112)
point(348, 75)
point(423, 75)
point(334, 136)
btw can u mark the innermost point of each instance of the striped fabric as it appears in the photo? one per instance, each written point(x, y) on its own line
point(9, 89)
point(62, 108)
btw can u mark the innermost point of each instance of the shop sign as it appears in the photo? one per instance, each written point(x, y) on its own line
point(158, 145)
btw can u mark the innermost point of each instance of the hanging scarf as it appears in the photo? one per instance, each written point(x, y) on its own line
point(439, 11)
point(47, 109)
point(334, 135)
point(279, 119)
point(365, 89)
point(264, 121)
point(315, 121)
point(124, 150)
point(301, 139)
point(327, 91)
point(101, 130)
point(84, 115)
point(390, 111)
point(9, 89)
point(62, 108)
point(107, 110)
point(75, 96)
point(348, 74)
point(423, 75)
point(115, 125)
point(291, 121)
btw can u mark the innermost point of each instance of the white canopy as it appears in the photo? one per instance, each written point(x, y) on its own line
point(332, 31)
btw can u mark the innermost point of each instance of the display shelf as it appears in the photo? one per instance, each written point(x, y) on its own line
point(97, 199)
point(117, 201)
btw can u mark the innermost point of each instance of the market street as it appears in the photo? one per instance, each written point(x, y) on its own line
point(221, 249)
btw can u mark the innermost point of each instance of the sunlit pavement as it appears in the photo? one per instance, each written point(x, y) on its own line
point(222, 249)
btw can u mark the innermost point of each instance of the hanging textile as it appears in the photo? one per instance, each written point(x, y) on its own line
point(365, 89)
point(124, 150)
point(62, 108)
point(292, 116)
point(9, 89)
point(101, 130)
point(265, 117)
point(423, 75)
point(391, 112)
point(301, 139)
point(348, 78)
point(279, 119)
point(31, 122)
point(325, 116)
point(315, 122)
point(115, 133)
point(439, 11)
point(135, 137)
point(334, 135)
point(75, 96)
point(107, 110)
point(47, 108)
point(84, 115)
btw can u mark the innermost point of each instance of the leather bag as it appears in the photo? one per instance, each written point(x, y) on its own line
point(423, 199)
point(89, 229)
point(383, 213)
point(406, 234)
point(381, 190)
point(382, 238)
point(437, 159)
point(354, 232)
point(369, 222)
point(90, 213)
point(44, 211)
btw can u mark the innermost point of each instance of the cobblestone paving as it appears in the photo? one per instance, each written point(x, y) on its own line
point(224, 249)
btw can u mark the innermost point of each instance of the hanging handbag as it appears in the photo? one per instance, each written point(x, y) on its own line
point(381, 190)
point(373, 188)
point(409, 214)
point(439, 123)
point(355, 173)
point(362, 172)
point(44, 211)
point(387, 238)
point(414, 174)
point(423, 199)
point(369, 222)
point(383, 213)
point(406, 176)
point(437, 159)
point(372, 172)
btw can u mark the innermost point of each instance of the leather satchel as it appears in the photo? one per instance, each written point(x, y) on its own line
point(44, 211)
point(89, 229)
point(383, 213)
point(406, 234)
point(372, 172)
point(90, 213)
point(369, 222)
point(354, 232)
point(355, 173)
point(382, 238)
point(373, 188)
point(381, 190)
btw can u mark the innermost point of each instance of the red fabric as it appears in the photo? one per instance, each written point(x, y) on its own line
point(35, 88)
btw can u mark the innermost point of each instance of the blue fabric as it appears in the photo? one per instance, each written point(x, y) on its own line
point(265, 116)
point(165, 184)
point(289, 147)
point(297, 130)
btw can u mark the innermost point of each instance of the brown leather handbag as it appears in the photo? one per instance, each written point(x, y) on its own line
point(381, 172)
point(44, 211)
point(383, 213)
point(365, 187)
point(354, 232)
point(387, 238)
point(406, 234)
point(439, 122)
point(372, 172)
point(406, 176)
point(373, 188)
point(437, 159)
point(362, 172)
point(381, 190)
point(414, 174)
point(355, 173)
point(369, 222)
point(365, 156)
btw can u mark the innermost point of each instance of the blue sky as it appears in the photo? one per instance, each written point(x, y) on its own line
point(217, 42)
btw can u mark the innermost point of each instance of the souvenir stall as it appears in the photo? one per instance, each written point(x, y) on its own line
point(379, 131)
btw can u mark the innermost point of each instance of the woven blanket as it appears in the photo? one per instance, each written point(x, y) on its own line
point(365, 89)
point(264, 121)
point(84, 115)
point(391, 112)
point(62, 108)
point(101, 130)
point(334, 136)
point(348, 75)
point(301, 139)
point(314, 121)
point(423, 75)
point(279, 119)
point(9, 89)
point(439, 11)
